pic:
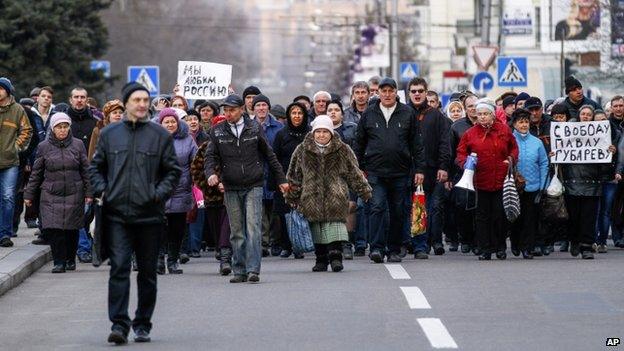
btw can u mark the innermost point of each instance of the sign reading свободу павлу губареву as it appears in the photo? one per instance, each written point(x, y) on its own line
point(580, 142)
point(204, 80)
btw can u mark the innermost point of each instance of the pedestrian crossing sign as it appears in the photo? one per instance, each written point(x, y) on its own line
point(512, 71)
point(148, 76)
point(409, 70)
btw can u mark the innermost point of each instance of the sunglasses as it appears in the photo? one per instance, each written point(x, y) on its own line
point(419, 91)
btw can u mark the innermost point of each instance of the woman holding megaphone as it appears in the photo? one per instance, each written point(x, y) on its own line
point(495, 147)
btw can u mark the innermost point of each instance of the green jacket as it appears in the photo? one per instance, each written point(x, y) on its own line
point(15, 133)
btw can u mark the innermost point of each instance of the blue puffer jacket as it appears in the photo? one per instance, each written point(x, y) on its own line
point(532, 161)
point(182, 198)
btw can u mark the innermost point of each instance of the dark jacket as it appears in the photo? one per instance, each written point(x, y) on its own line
point(574, 108)
point(542, 131)
point(135, 166)
point(200, 136)
point(28, 156)
point(434, 128)
point(286, 141)
point(240, 159)
point(352, 114)
point(347, 132)
point(271, 127)
point(392, 149)
point(458, 128)
point(83, 124)
point(585, 179)
point(185, 148)
point(60, 173)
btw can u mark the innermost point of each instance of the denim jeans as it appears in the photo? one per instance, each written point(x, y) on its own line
point(144, 241)
point(388, 193)
point(434, 203)
point(604, 215)
point(196, 231)
point(8, 183)
point(244, 208)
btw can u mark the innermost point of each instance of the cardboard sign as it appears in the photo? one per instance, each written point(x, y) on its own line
point(204, 80)
point(580, 142)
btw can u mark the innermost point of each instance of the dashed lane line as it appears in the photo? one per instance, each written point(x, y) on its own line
point(415, 298)
point(397, 271)
point(436, 332)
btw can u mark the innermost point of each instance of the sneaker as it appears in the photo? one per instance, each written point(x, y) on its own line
point(6, 242)
point(285, 253)
point(58, 268)
point(184, 258)
point(359, 252)
point(141, 335)
point(376, 256)
point(225, 268)
point(394, 258)
point(253, 278)
point(438, 249)
point(118, 337)
point(347, 252)
point(238, 279)
point(420, 255)
point(602, 248)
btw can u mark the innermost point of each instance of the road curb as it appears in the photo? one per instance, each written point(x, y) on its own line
point(20, 264)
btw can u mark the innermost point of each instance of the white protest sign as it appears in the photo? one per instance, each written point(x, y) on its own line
point(204, 80)
point(580, 142)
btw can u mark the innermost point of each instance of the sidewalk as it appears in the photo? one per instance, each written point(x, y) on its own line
point(20, 261)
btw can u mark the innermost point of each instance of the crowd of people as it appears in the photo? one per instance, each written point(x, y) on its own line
point(176, 179)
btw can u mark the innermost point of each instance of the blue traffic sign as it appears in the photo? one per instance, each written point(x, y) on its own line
point(148, 76)
point(483, 82)
point(445, 98)
point(102, 65)
point(409, 70)
point(512, 71)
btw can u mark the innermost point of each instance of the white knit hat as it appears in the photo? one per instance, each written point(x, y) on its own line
point(322, 121)
point(58, 118)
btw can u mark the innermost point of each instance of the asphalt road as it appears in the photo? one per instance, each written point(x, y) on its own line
point(450, 301)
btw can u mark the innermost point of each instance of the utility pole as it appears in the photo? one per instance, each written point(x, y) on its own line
point(562, 63)
point(394, 42)
point(485, 21)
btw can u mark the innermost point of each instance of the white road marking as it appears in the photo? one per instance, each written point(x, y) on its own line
point(415, 298)
point(397, 271)
point(436, 332)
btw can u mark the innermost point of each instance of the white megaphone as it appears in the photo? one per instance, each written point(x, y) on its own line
point(469, 168)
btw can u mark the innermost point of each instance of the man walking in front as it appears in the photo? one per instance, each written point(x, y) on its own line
point(239, 148)
point(135, 170)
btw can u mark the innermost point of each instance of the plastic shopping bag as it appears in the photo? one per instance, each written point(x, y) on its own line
point(419, 212)
point(299, 232)
point(555, 188)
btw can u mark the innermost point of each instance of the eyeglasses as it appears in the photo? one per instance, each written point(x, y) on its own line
point(419, 91)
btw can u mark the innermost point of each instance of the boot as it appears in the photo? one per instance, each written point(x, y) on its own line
point(160, 269)
point(335, 260)
point(321, 264)
point(225, 267)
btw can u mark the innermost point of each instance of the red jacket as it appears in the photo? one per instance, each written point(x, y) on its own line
point(492, 147)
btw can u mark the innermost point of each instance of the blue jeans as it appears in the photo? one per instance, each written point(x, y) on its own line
point(8, 182)
point(604, 215)
point(244, 208)
point(84, 239)
point(434, 202)
point(388, 193)
point(196, 231)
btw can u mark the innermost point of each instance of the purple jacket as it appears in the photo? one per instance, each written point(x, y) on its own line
point(185, 148)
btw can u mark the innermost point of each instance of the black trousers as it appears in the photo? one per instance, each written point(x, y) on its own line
point(174, 234)
point(524, 230)
point(144, 240)
point(284, 239)
point(324, 251)
point(63, 244)
point(464, 213)
point(490, 221)
point(583, 213)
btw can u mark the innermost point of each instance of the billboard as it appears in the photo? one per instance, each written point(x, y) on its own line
point(575, 21)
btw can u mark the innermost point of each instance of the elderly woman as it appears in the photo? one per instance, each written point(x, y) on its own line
point(60, 171)
point(207, 111)
point(181, 201)
point(455, 110)
point(495, 147)
point(113, 112)
point(321, 171)
point(533, 165)
point(195, 128)
point(583, 188)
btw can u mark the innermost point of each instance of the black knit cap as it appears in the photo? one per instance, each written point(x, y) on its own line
point(260, 98)
point(130, 88)
point(571, 82)
point(251, 90)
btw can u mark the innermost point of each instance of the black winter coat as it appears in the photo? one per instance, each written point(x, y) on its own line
point(60, 173)
point(136, 167)
point(458, 128)
point(574, 108)
point(284, 145)
point(434, 128)
point(83, 124)
point(241, 160)
point(392, 149)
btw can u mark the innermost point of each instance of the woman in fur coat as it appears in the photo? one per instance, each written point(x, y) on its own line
point(321, 171)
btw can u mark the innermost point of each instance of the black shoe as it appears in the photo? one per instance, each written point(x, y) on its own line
point(253, 278)
point(285, 253)
point(501, 255)
point(160, 268)
point(118, 337)
point(39, 241)
point(238, 279)
point(537, 251)
point(299, 255)
point(587, 255)
point(564, 247)
point(173, 268)
point(476, 251)
point(31, 223)
point(225, 268)
point(420, 255)
point(527, 255)
point(6, 242)
point(619, 243)
point(359, 252)
point(438, 249)
point(70, 265)
point(376, 256)
point(265, 252)
point(347, 252)
point(141, 335)
point(195, 254)
point(275, 251)
point(336, 265)
point(465, 248)
point(184, 258)
point(453, 247)
point(394, 258)
point(58, 268)
point(515, 252)
point(547, 250)
point(575, 250)
point(320, 267)
point(485, 257)
point(85, 258)
point(403, 251)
